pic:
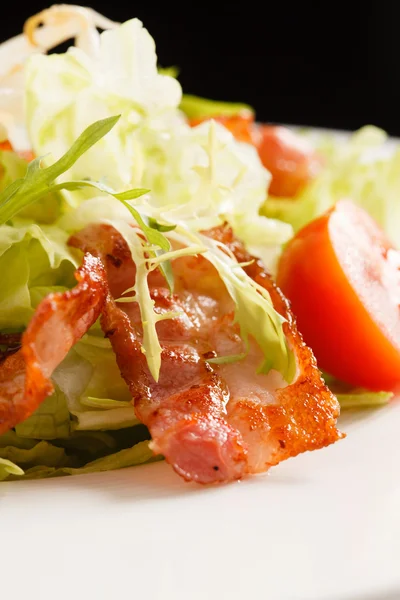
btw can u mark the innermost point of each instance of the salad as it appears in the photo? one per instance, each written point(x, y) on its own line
point(141, 234)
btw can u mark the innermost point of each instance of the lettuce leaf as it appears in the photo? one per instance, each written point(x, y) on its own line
point(42, 453)
point(138, 454)
point(363, 399)
point(90, 372)
point(50, 421)
point(350, 397)
point(8, 468)
point(200, 176)
point(30, 256)
point(122, 78)
point(196, 107)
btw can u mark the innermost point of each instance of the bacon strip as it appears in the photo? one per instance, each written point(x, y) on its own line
point(303, 415)
point(60, 320)
point(265, 420)
point(185, 410)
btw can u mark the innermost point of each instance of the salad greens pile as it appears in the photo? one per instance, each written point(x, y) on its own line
point(363, 167)
point(114, 146)
point(110, 132)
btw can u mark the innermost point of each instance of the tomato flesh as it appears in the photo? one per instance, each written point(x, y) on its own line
point(289, 158)
point(341, 276)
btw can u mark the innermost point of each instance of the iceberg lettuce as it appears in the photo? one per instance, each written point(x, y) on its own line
point(67, 92)
point(31, 256)
point(200, 175)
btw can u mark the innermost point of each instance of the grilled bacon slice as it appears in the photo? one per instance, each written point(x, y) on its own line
point(60, 320)
point(212, 423)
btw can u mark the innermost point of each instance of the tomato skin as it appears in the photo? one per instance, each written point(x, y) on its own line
point(290, 160)
point(240, 125)
point(343, 290)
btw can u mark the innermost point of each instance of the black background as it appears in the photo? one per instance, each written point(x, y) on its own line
point(311, 63)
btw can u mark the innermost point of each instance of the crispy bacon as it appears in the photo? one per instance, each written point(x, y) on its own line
point(303, 415)
point(264, 422)
point(185, 409)
point(60, 320)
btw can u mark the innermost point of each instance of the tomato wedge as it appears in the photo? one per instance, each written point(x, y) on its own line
point(342, 278)
point(292, 162)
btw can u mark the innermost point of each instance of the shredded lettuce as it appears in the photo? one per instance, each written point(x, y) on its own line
point(204, 177)
point(12, 167)
point(201, 175)
point(121, 77)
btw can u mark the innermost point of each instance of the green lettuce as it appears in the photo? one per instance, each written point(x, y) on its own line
point(39, 181)
point(350, 397)
point(34, 459)
point(88, 376)
point(50, 421)
point(121, 78)
point(139, 454)
point(200, 176)
point(363, 399)
point(204, 177)
point(196, 107)
point(31, 256)
point(42, 453)
point(8, 468)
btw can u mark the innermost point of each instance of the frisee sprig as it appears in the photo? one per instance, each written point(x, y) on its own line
point(145, 262)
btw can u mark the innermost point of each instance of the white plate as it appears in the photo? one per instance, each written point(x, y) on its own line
point(323, 526)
